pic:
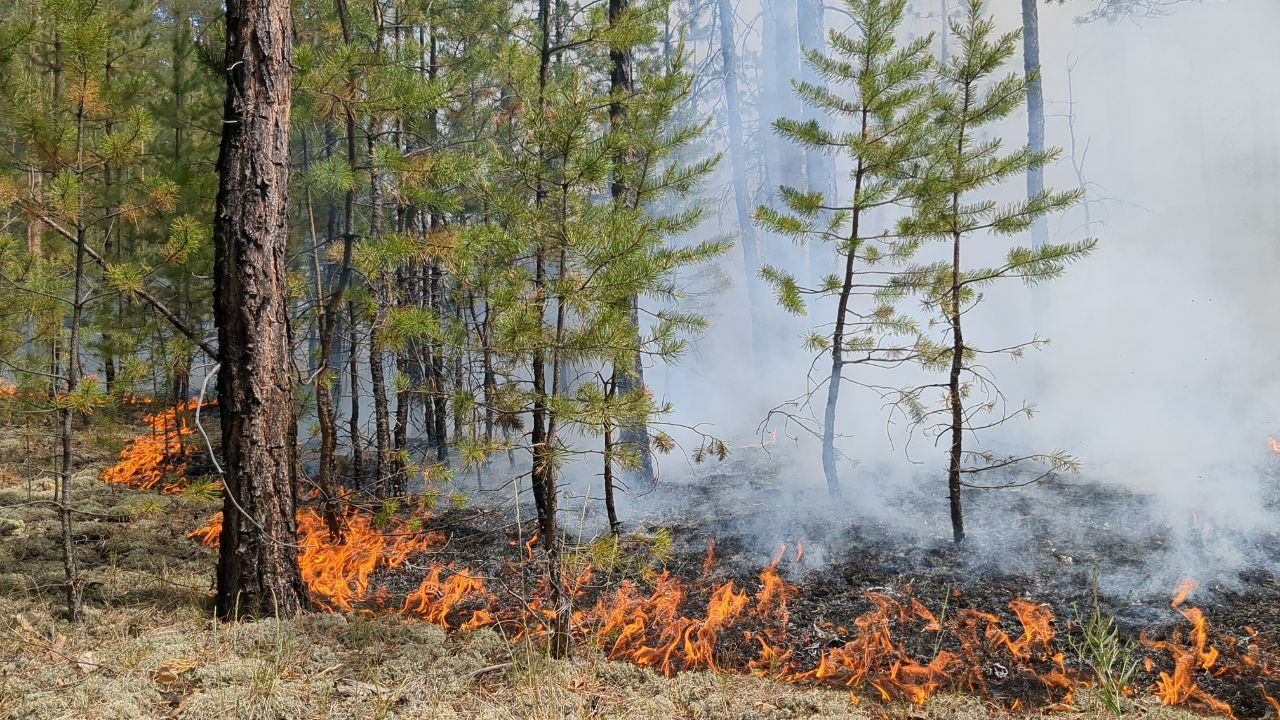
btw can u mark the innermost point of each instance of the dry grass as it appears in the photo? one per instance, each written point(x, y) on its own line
point(148, 649)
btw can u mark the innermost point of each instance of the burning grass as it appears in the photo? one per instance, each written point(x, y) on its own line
point(147, 649)
point(474, 573)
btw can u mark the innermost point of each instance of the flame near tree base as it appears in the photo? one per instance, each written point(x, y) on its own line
point(898, 649)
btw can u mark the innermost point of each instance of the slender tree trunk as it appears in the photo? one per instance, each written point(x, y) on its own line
point(400, 434)
point(440, 411)
point(628, 379)
point(818, 166)
point(543, 433)
point(954, 389)
point(836, 379)
point(490, 379)
point(610, 506)
point(257, 560)
point(1035, 111)
point(67, 494)
point(738, 164)
point(326, 416)
point(330, 310)
point(381, 413)
point(382, 300)
point(353, 360)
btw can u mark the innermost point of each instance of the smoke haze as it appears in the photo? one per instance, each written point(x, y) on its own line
point(1160, 376)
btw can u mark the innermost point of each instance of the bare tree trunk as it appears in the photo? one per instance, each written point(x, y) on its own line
point(954, 389)
point(1035, 111)
point(610, 506)
point(738, 163)
point(440, 411)
point(400, 434)
point(353, 359)
point(543, 433)
point(836, 379)
point(628, 379)
point(381, 412)
point(257, 559)
point(71, 576)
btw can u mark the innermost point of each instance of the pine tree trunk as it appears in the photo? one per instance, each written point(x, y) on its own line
point(257, 560)
point(818, 168)
point(400, 434)
point(353, 360)
point(953, 389)
point(66, 491)
point(621, 85)
point(610, 506)
point(440, 410)
point(1035, 112)
point(381, 414)
point(543, 434)
point(738, 164)
point(836, 378)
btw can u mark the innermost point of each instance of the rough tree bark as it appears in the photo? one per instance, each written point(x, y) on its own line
point(257, 561)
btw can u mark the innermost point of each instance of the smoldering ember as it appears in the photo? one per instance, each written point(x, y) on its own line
point(707, 359)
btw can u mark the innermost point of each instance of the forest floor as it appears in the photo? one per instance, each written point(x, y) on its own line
point(147, 647)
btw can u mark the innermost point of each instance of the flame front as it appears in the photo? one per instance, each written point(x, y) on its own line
point(647, 627)
point(157, 459)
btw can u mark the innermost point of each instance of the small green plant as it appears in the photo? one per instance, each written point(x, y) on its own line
point(660, 545)
point(203, 487)
point(1113, 659)
point(146, 506)
point(629, 555)
point(458, 500)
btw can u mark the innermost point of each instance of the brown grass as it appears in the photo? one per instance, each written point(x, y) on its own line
point(148, 648)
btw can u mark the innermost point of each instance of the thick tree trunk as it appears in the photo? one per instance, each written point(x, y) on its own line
point(738, 164)
point(257, 561)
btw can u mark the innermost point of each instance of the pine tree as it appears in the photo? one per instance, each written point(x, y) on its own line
point(81, 178)
point(886, 86)
point(258, 570)
point(953, 206)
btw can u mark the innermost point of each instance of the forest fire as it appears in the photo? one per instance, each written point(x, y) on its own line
point(156, 459)
point(896, 649)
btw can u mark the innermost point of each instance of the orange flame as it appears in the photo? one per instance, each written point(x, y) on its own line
point(337, 573)
point(435, 599)
point(1180, 687)
point(147, 460)
point(709, 562)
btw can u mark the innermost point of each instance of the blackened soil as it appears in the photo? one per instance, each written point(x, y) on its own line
point(1058, 544)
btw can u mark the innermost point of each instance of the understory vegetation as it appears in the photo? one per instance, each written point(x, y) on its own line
point(148, 648)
